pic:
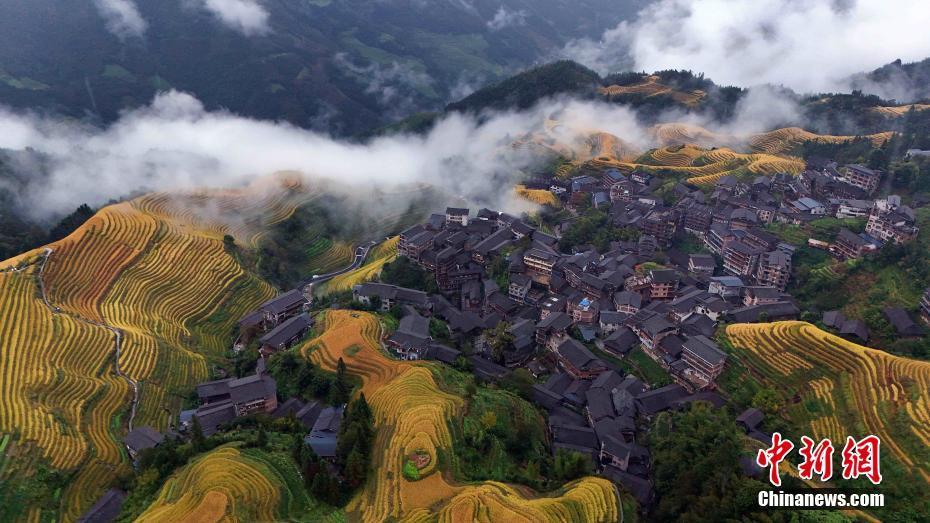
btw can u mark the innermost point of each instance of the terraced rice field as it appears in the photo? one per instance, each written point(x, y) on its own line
point(537, 196)
point(847, 389)
point(787, 139)
point(652, 86)
point(706, 166)
point(683, 133)
point(413, 413)
point(147, 268)
point(328, 255)
point(229, 484)
point(377, 258)
point(894, 111)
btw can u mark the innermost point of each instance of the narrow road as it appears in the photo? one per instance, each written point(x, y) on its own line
point(117, 336)
point(361, 252)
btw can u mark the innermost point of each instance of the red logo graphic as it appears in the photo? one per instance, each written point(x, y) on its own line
point(774, 455)
point(860, 458)
point(817, 460)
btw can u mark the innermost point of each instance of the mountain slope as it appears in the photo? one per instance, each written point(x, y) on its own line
point(136, 303)
point(342, 65)
point(413, 413)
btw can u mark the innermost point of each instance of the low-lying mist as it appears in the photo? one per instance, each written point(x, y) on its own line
point(175, 144)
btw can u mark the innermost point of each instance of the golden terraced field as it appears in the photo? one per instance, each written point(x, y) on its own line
point(377, 258)
point(162, 278)
point(537, 196)
point(412, 412)
point(847, 389)
point(702, 155)
point(652, 86)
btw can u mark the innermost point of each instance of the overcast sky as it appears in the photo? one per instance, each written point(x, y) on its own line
point(808, 45)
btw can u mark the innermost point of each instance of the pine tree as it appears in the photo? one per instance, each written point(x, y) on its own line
point(356, 469)
point(197, 438)
point(261, 441)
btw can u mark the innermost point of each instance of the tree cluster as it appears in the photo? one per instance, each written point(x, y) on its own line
point(299, 377)
point(335, 485)
point(595, 228)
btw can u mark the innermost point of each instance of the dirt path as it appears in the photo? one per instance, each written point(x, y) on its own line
point(117, 335)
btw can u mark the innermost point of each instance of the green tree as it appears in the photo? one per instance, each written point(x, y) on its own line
point(198, 441)
point(500, 340)
point(570, 465)
point(767, 400)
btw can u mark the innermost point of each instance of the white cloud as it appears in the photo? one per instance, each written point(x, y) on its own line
point(122, 18)
point(394, 84)
point(810, 46)
point(506, 18)
point(174, 143)
point(248, 17)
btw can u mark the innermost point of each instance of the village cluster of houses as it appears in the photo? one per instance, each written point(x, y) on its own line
point(563, 309)
point(279, 323)
point(560, 308)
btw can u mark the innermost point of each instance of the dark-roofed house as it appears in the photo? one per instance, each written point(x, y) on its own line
point(725, 286)
point(834, 319)
point(578, 361)
point(142, 438)
point(247, 395)
point(323, 436)
point(305, 413)
point(106, 509)
point(849, 245)
point(577, 438)
point(212, 416)
point(621, 342)
point(655, 401)
point(539, 264)
point(487, 370)
point(553, 330)
point(615, 452)
point(286, 334)
point(704, 357)
point(600, 404)
point(251, 323)
point(442, 353)
point(662, 284)
point(389, 296)
point(701, 264)
point(651, 328)
point(750, 419)
point(855, 328)
point(277, 309)
point(411, 339)
point(610, 321)
point(902, 322)
point(519, 286)
point(628, 302)
point(761, 295)
point(253, 393)
point(456, 215)
point(783, 310)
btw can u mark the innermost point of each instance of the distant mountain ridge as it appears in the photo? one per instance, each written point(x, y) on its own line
point(652, 95)
point(337, 65)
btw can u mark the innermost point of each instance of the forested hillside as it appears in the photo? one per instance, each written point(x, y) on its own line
point(339, 65)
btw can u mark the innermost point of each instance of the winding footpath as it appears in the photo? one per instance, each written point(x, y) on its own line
point(117, 335)
point(361, 252)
